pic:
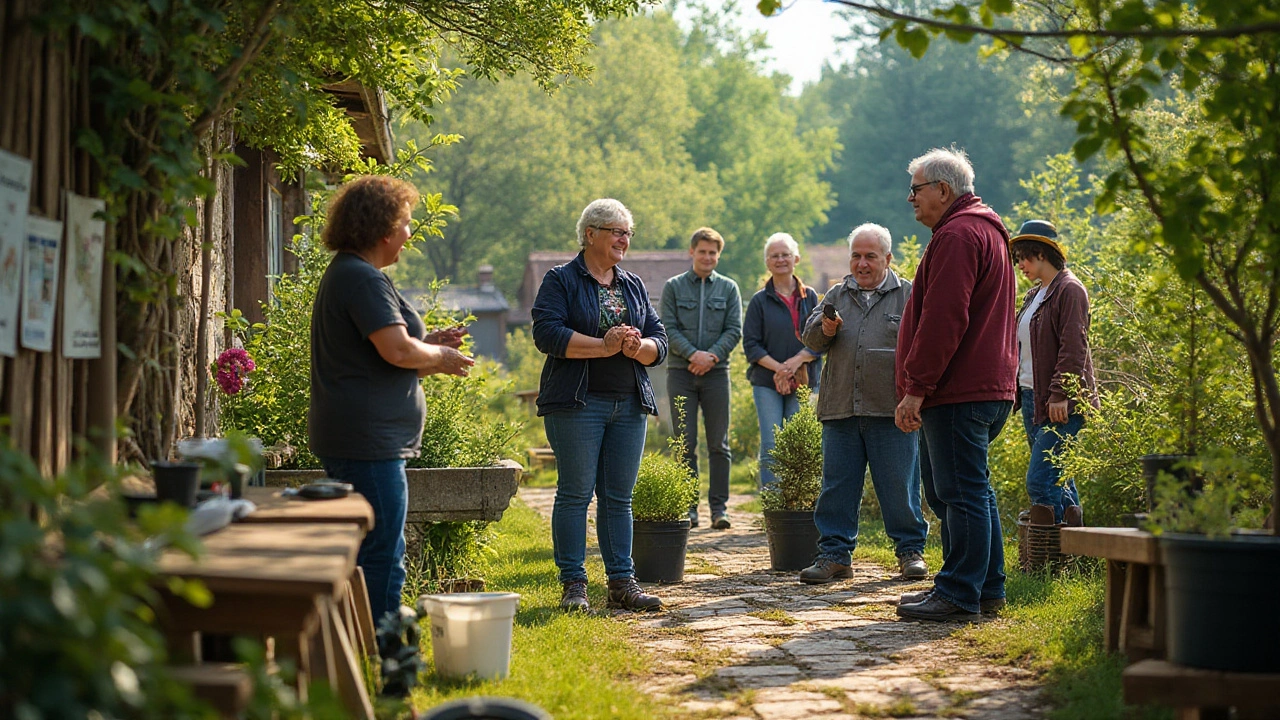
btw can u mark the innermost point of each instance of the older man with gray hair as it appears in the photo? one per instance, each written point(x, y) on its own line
point(857, 326)
point(957, 367)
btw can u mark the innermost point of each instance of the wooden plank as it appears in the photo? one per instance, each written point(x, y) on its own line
point(350, 685)
point(336, 539)
point(1161, 682)
point(1112, 603)
point(1124, 544)
point(226, 687)
point(276, 508)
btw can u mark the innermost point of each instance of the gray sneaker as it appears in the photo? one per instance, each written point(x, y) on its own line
point(720, 521)
point(912, 566)
point(823, 571)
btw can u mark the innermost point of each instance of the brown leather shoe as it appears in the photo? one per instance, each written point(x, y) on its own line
point(574, 597)
point(990, 606)
point(1073, 516)
point(823, 571)
point(1042, 515)
point(934, 607)
point(625, 593)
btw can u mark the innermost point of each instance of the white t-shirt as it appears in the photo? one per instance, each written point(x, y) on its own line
point(1026, 380)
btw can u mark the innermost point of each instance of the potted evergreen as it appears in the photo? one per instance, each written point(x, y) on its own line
point(1216, 576)
point(665, 490)
point(789, 502)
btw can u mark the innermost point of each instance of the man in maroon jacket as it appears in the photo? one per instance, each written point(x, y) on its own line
point(956, 373)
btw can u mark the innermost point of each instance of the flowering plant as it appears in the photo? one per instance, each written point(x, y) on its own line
point(231, 368)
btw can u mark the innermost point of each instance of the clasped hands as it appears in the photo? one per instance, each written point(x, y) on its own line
point(701, 362)
point(784, 378)
point(622, 337)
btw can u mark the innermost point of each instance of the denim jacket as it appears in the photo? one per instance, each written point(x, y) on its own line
point(568, 302)
point(701, 315)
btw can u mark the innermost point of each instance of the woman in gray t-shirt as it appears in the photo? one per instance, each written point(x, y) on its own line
point(368, 349)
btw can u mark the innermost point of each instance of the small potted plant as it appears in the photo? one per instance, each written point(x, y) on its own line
point(1217, 575)
point(665, 490)
point(789, 502)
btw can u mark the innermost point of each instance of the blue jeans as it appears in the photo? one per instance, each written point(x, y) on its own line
point(711, 393)
point(771, 409)
point(957, 485)
point(383, 484)
point(849, 445)
point(598, 451)
point(1042, 475)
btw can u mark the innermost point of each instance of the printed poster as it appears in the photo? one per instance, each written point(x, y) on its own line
point(40, 283)
point(15, 194)
point(82, 279)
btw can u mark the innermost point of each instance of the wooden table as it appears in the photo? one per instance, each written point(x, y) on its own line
point(1202, 694)
point(1135, 602)
point(289, 581)
point(273, 507)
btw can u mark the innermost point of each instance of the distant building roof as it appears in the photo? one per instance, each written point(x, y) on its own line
point(474, 300)
point(654, 267)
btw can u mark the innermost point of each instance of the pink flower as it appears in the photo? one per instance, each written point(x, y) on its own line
point(233, 365)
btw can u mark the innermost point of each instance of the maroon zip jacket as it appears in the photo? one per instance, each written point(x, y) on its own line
point(958, 341)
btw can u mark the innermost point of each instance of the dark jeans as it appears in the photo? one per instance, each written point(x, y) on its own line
point(711, 393)
point(957, 485)
point(1042, 475)
point(849, 445)
point(598, 450)
point(383, 484)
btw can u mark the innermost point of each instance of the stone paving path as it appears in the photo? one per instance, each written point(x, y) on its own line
point(738, 640)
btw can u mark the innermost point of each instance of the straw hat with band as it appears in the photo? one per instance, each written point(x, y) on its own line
point(1041, 231)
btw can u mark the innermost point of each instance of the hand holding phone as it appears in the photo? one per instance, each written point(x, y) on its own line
point(831, 320)
point(829, 312)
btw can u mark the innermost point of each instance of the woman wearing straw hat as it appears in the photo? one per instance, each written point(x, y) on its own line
point(1053, 345)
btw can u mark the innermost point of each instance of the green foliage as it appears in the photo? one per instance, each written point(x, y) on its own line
point(461, 430)
point(1215, 511)
point(665, 487)
point(78, 636)
point(438, 551)
point(797, 461)
point(744, 424)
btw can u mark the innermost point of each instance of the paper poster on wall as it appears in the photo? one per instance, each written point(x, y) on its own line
point(82, 279)
point(15, 193)
point(40, 283)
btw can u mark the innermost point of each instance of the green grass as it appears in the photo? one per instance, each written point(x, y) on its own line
point(572, 666)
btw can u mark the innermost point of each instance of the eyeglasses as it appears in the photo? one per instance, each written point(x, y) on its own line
point(618, 233)
point(781, 256)
point(918, 186)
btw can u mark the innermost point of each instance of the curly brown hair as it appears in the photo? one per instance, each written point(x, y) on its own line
point(366, 210)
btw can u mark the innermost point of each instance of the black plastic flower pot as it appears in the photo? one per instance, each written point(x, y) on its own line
point(1221, 601)
point(1175, 465)
point(793, 539)
point(658, 549)
point(176, 481)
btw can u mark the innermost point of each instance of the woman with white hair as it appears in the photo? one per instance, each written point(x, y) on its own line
point(779, 361)
point(599, 331)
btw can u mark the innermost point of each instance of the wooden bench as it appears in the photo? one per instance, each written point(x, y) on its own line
point(1135, 602)
point(540, 458)
point(1203, 694)
point(225, 687)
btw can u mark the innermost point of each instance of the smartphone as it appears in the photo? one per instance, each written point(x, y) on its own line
point(829, 311)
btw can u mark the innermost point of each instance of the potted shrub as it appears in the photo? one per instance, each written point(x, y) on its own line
point(789, 502)
point(664, 492)
point(1217, 580)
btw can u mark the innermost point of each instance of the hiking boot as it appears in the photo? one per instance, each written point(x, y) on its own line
point(912, 566)
point(1042, 515)
point(1073, 516)
point(574, 597)
point(990, 606)
point(720, 521)
point(825, 570)
point(625, 593)
point(693, 518)
point(934, 607)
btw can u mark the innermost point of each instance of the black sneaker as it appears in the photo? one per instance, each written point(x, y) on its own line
point(574, 597)
point(720, 521)
point(823, 571)
point(626, 594)
point(934, 607)
point(990, 606)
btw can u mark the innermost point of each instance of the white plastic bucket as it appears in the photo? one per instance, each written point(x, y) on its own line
point(471, 633)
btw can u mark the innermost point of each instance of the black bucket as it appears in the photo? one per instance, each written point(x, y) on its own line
point(658, 549)
point(1221, 601)
point(176, 481)
point(793, 539)
point(1175, 465)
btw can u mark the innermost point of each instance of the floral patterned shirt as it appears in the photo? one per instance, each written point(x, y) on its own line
point(614, 375)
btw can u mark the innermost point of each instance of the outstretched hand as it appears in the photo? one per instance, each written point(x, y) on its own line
point(450, 361)
point(448, 337)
